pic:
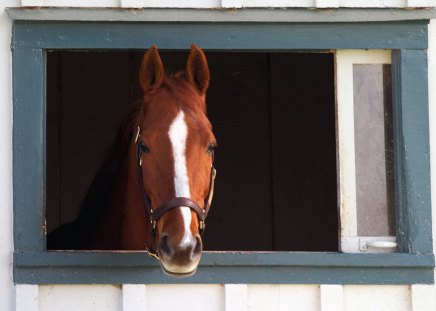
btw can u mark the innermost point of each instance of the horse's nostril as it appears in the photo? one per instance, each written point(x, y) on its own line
point(198, 246)
point(164, 247)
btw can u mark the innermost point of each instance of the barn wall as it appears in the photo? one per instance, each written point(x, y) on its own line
point(238, 297)
point(206, 297)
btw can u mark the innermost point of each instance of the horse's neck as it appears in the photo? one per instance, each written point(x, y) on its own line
point(135, 219)
point(123, 223)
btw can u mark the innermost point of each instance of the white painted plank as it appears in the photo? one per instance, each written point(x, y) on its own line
point(232, 3)
point(372, 3)
point(279, 3)
point(7, 297)
point(421, 3)
point(134, 297)
point(26, 297)
point(235, 297)
point(80, 297)
point(423, 297)
point(332, 298)
point(377, 297)
point(283, 297)
point(263, 297)
point(32, 2)
point(72, 3)
point(189, 297)
point(170, 4)
point(326, 3)
point(345, 144)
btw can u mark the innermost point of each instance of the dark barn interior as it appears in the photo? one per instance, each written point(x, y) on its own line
point(274, 119)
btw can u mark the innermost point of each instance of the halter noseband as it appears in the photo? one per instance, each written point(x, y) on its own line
point(156, 214)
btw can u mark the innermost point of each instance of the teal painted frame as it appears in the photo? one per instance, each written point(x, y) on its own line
point(413, 264)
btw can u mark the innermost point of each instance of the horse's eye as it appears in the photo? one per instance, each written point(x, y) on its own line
point(211, 147)
point(144, 147)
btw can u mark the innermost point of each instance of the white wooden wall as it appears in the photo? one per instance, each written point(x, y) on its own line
point(239, 297)
point(6, 286)
point(233, 297)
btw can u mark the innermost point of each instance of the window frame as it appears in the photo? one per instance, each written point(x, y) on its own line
point(350, 240)
point(414, 261)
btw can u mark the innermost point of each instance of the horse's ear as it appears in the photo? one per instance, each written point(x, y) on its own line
point(151, 73)
point(197, 69)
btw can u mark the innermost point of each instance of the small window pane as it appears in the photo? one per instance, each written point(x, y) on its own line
point(374, 150)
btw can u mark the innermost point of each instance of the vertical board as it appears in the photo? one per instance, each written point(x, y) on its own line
point(331, 298)
point(53, 207)
point(283, 297)
point(26, 298)
point(235, 297)
point(187, 297)
point(376, 297)
point(80, 297)
point(6, 180)
point(423, 297)
point(432, 116)
point(412, 170)
point(134, 297)
point(29, 154)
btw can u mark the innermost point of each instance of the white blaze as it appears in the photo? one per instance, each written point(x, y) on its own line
point(178, 134)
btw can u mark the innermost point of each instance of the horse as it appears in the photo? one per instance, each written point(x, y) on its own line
point(154, 189)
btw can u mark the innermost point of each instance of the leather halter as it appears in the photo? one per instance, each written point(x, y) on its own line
point(157, 213)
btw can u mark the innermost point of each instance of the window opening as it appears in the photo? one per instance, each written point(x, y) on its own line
point(273, 115)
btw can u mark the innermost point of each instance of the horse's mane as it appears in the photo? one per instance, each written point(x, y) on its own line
point(76, 234)
point(96, 201)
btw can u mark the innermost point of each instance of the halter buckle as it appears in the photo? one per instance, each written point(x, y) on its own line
point(202, 225)
point(137, 134)
point(212, 187)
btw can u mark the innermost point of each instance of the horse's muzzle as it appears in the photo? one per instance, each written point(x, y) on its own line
point(179, 257)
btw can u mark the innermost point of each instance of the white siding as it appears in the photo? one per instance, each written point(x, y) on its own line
point(283, 297)
point(423, 297)
point(6, 286)
point(26, 297)
point(364, 298)
point(190, 297)
point(331, 298)
point(238, 297)
point(134, 297)
point(80, 297)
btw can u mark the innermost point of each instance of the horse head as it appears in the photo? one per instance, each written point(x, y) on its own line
point(174, 147)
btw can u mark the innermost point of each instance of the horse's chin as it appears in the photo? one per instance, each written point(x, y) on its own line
point(178, 272)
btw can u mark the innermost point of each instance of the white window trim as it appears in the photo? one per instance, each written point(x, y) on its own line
point(350, 242)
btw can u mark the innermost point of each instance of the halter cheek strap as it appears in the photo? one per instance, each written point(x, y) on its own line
point(156, 214)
